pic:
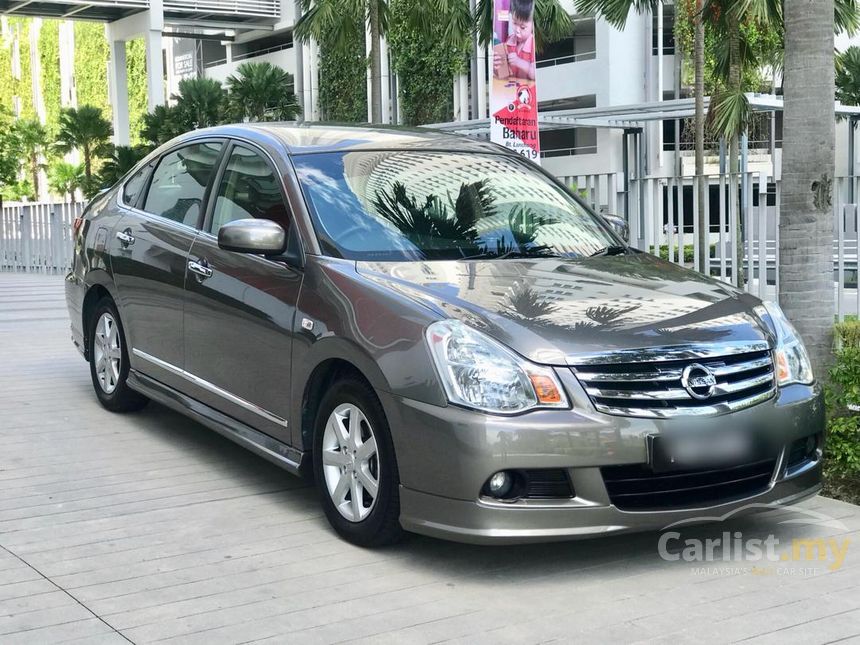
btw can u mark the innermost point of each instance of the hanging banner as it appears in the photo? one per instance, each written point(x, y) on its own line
point(513, 99)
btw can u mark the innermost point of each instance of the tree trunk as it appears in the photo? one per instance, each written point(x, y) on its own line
point(375, 65)
point(88, 165)
point(699, 56)
point(34, 170)
point(734, 166)
point(808, 166)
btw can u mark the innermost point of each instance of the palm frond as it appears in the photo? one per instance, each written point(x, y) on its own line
point(847, 16)
point(615, 12)
point(730, 113)
point(848, 76)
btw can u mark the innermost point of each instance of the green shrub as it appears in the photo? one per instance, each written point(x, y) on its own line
point(843, 402)
point(689, 252)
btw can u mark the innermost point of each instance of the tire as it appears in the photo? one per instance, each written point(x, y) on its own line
point(109, 362)
point(341, 455)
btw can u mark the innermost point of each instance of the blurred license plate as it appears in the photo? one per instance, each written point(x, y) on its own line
point(701, 450)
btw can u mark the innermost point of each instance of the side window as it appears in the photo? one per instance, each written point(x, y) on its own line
point(248, 190)
point(133, 187)
point(179, 182)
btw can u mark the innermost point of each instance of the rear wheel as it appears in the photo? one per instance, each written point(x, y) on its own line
point(109, 363)
point(355, 467)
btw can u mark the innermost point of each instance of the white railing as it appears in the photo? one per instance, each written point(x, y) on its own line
point(252, 8)
point(257, 8)
point(37, 237)
point(662, 220)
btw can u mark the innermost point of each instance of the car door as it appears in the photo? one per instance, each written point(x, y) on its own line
point(240, 308)
point(150, 252)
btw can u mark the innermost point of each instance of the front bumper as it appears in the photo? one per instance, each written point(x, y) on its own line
point(445, 455)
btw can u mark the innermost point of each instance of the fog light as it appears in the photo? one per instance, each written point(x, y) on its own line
point(500, 484)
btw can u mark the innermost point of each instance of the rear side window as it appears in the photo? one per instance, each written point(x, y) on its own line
point(133, 187)
point(179, 182)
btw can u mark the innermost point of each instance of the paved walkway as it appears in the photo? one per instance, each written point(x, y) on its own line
point(148, 527)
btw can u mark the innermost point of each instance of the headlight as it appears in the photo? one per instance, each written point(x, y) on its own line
point(480, 373)
point(792, 361)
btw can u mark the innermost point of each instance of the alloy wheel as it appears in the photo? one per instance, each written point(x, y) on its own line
point(350, 462)
point(107, 353)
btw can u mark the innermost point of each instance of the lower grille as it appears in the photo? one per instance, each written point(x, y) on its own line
point(673, 388)
point(638, 488)
point(547, 484)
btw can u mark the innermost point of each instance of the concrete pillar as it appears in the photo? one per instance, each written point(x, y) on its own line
point(313, 81)
point(118, 87)
point(385, 80)
point(154, 70)
point(68, 96)
point(481, 85)
point(367, 47)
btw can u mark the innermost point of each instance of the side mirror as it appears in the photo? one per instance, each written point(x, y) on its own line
point(261, 236)
point(619, 225)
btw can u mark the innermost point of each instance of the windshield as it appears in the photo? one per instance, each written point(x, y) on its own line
point(416, 205)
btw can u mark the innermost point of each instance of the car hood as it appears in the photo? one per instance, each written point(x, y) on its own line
point(553, 310)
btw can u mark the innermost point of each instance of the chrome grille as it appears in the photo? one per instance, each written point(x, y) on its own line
point(655, 389)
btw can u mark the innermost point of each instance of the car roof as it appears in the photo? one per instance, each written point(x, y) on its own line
point(309, 138)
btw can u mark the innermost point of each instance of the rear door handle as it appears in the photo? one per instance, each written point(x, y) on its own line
point(126, 239)
point(200, 269)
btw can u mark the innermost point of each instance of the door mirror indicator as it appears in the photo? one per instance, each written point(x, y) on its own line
point(253, 236)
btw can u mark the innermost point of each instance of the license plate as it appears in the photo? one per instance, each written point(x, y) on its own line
point(698, 451)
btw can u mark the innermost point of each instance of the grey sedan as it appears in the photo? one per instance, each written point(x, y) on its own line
point(442, 333)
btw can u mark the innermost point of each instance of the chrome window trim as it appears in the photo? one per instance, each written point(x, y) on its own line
point(211, 387)
point(668, 353)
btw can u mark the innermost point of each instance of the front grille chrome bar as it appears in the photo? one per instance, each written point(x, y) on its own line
point(657, 390)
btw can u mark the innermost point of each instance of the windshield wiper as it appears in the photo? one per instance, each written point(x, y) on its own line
point(609, 250)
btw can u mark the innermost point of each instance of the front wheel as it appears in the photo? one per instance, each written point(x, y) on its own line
point(355, 466)
point(109, 363)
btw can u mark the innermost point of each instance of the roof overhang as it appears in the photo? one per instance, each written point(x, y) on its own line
point(627, 117)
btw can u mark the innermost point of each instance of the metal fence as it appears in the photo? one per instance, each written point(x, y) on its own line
point(37, 237)
point(661, 214)
point(660, 211)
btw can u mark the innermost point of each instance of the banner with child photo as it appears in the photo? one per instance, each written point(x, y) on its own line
point(513, 98)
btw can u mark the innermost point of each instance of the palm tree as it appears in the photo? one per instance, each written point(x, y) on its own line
point(65, 178)
point(808, 161)
point(616, 12)
point(121, 160)
point(161, 125)
point(201, 103)
point(326, 19)
point(33, 140)
point(86, 130)
point(10, 149)
point(848, 76)
point(262, 92)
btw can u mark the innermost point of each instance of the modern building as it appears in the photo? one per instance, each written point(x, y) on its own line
point(597, 68)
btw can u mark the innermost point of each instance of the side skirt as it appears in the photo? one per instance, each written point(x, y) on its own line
point(262, 444)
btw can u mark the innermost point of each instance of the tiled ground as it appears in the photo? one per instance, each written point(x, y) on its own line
point(148, 527)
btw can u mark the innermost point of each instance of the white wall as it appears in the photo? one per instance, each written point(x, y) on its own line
point(285, 59)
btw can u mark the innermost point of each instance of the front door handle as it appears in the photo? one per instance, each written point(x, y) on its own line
point(126, 239)
point(200, 269)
